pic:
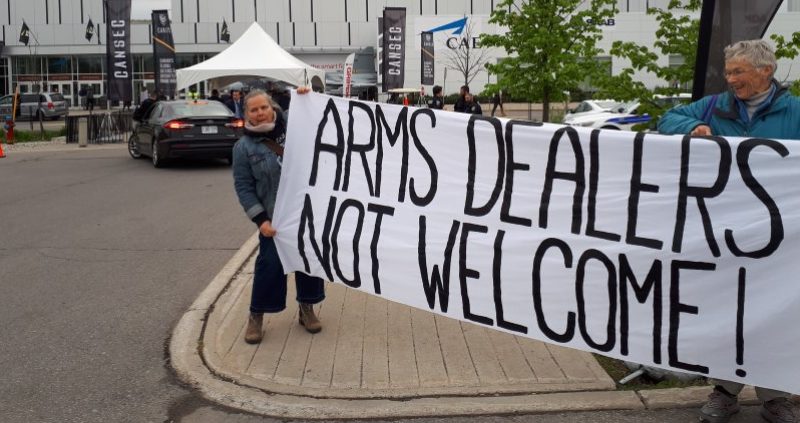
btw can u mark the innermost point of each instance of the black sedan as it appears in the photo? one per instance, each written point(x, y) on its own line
point(185, 129)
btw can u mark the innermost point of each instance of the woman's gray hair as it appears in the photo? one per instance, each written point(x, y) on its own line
point(256, 93)
point(758, 52)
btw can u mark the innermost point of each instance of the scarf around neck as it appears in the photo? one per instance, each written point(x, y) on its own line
point(273, 130)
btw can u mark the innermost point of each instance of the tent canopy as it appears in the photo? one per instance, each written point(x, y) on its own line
point(254, 54)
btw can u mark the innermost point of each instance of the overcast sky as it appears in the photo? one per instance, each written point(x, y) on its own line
point(140, 9)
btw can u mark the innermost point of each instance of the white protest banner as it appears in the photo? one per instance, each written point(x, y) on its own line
point(675, 252)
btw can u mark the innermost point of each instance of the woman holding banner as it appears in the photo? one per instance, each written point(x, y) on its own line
point(756, 106)
point(256, 173)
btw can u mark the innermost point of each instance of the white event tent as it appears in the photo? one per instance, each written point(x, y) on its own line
point(254, 54)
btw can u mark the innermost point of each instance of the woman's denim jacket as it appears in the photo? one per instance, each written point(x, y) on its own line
point(256, 174)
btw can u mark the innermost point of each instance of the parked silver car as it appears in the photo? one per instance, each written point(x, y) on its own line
point(33, 106)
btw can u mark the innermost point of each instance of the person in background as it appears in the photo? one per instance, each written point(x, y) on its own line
point(214, 95)
point(755, 106)
point(497, 100)
point(236, 104)
point(82, 95)
point(281, 96)
point(437, 101)
point(141, 112)
point(471, 105)
point(143, 95)
point(256, 172)
point(90, 98)
point(460, 103)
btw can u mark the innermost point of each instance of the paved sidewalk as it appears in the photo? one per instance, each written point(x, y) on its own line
point(370, 347)
point(377, 359)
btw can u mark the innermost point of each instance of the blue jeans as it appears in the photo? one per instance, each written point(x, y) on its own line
point(269, 282)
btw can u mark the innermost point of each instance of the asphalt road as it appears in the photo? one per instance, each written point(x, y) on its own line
point(100, 255)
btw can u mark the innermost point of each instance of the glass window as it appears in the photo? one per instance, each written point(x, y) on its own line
point(143, 63)
point(186, 60)
point(27, 65)
point(59, 64)
point(90, 64)
point(200, 108)
point(155, 112)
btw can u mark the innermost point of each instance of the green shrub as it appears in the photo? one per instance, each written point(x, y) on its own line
point(28, 136)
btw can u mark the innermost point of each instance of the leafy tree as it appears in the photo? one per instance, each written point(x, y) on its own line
point(551, 46)
point(788, 49)
point(676, 35)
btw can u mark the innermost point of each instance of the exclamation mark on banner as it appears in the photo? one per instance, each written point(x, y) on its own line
point(740, 323)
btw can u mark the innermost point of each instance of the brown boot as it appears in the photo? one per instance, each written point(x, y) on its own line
point(253, 334)
point(309, 319)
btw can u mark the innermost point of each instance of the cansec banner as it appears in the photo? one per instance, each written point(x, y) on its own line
point(119, 66)
point(393, 32)
point(163, 53)
point(675, 252)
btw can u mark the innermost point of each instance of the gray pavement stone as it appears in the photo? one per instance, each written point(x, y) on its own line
point(377, 359)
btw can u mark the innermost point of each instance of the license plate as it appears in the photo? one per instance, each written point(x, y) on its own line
point(209, 129)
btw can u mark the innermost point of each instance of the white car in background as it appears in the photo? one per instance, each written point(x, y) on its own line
point(625, 115)
point(593, 119)
point(588, 108)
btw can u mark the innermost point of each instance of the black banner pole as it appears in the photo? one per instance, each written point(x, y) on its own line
point(703, 48)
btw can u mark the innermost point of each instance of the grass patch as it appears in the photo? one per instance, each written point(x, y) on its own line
point(28, 136)
point(616, 369)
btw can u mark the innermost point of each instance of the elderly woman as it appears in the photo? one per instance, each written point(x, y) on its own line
point(755, 106)
point(256, 173)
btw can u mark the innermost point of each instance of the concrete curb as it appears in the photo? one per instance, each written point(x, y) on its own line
point(187, 358)
point(48, 147)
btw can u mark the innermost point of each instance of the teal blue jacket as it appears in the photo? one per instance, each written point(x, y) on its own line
point(778, 118)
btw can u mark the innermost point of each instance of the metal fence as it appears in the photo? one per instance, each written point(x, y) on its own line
point(103, 127)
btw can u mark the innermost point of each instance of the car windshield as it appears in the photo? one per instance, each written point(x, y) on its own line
point(626, 107)
point(669, 102)
point(198, 109)
point(606, 104)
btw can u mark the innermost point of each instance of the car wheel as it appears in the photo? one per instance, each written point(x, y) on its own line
point(157, 160)
point(133, 148)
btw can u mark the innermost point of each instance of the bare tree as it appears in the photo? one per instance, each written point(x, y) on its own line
point(466, 58)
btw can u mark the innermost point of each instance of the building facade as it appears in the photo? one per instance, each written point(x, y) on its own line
point(319, 32)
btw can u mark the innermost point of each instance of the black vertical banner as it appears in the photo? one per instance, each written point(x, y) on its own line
point(394, 47)
point(724, 22)
point(427, 58)
point(89, 30)
point(163, 54)
point(119, 66)
point(24, 34)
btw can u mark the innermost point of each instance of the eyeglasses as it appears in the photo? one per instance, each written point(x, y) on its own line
point(738, 72)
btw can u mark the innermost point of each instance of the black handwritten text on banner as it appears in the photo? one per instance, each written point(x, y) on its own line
point(676, 252)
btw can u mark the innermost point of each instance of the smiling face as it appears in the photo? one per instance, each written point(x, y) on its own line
point(746, 80)
point(258, 110)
